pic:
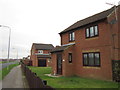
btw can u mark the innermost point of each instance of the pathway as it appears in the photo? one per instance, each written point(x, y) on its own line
point(15, 79)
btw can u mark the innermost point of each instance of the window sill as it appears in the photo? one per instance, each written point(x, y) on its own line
point(91, 67)
point(72, 41)
point(92, 38)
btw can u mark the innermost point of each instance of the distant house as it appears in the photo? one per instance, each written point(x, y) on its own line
point(27, 61)
point(90, 47)
point(40, 54)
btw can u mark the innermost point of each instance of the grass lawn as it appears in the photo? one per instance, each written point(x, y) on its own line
point(71, 82)
point(6, 70)
point(5, 61)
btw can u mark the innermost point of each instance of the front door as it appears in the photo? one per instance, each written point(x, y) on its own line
point(59, 64)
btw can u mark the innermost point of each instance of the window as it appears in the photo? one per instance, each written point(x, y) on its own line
point(70, 57)
point(71, 36)
point(85, 56)
point(40, 51)
point(97, 58)
point(96, 30)
point(87, 32)
point(91, 59)
point(92, 31)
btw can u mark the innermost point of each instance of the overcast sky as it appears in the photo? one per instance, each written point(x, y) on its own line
point(40, 21)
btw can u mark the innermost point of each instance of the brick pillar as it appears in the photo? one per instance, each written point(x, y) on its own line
point(119, 32)
point(114, 26)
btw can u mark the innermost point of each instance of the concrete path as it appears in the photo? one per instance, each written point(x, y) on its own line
point(15, 79)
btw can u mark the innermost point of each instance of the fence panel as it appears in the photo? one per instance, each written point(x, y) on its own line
point(33, 80)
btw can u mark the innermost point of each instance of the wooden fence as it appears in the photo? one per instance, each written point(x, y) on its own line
point(33, 80)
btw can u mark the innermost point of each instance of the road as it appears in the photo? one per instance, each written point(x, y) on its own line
point(3, 65)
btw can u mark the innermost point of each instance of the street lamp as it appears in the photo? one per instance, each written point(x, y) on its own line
point(8, 41)
point(16, 52)
point(115, 9)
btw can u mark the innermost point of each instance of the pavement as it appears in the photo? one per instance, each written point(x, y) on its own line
point(15, 79)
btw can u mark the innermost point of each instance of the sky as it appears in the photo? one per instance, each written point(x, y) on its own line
point(40, 21)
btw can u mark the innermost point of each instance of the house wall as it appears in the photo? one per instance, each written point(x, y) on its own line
point(113, 20)
point(101, 44)
point(64, 38)
point(54, 63)
point(103, 72)
point(118, 14)
point(68, 68)
point(34, 58)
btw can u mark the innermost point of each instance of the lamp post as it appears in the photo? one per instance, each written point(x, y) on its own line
point(8, 41)
point(16, 53)
point(114, 9)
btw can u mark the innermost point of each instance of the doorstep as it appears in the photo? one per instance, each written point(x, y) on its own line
point(50, 75)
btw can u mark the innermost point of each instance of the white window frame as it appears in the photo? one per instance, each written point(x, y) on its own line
point(71, 36)
point(40, 51)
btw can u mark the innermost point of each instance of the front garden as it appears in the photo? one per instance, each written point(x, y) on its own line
point(71, 82)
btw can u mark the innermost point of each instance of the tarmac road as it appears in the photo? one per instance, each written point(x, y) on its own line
point(3, 65)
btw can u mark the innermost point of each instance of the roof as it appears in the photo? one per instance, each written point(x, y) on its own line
point(43, 46)
point(61, 48)
point(91, 19)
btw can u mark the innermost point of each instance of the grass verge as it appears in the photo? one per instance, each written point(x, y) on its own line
point(5, 61)
point(71, 82)
point(6, 70)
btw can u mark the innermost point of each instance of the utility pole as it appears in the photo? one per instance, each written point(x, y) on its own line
point(8, 41)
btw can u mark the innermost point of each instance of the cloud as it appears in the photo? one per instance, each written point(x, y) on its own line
point(40, 21)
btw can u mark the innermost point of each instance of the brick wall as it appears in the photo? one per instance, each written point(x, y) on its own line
point(101, 44)
point(54, 63)
point(34, 57)
point(119, 29)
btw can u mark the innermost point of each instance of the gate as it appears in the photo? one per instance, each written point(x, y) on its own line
point(116, 70)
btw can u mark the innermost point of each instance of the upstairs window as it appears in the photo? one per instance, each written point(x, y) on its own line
point(91, 31)
point(40, 51)
point(70, 57)
point(87, 32)
point(96, 30)
point(91, 59)
point(71, 36)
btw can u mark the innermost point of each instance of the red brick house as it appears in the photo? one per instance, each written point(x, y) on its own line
point(40, 54)
point(27, 61)
point(90, 47)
